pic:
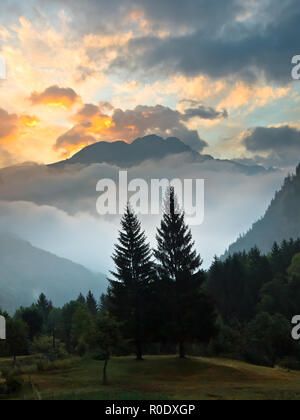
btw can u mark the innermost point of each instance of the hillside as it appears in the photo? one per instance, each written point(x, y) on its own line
point(281, 221)
point(27, 271)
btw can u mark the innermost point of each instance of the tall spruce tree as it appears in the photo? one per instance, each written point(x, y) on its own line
point(44, 306)
point(91, 303)
point(130, 291)
point(81, 299)
point(189, 315)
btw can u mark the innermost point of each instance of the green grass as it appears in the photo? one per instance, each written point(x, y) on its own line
point(163, 378)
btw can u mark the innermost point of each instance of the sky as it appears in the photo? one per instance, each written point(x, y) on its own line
point(216, 74)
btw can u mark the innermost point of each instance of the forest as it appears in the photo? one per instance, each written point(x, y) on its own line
point(161, 302)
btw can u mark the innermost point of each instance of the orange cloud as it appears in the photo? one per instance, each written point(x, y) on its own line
point(13, 126)
point(8, 125)
point(93, 125)
point(244, 95)
point(74, 140)
point(55, 96)
point(17, 137)
point(29, 121)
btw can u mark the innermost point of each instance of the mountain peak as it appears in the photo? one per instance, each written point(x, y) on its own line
point(149, 148)
point(122, 154)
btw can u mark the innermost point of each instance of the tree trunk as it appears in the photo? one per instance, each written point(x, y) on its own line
point(139, 352)
point(105, 382)
point(182, 350)
point(54, 340)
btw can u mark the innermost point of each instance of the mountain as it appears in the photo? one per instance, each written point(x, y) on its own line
point(126, 155)
point(27, 271)
point(281, 221)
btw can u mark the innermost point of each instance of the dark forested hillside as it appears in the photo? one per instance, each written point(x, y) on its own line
point(281, 221)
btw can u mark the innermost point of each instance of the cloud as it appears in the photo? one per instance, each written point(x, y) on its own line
point(211, 15)
point(93, 124)
point(278, 146)
point(248, 46)
point(8, 124)
point(197, 110)
point(169, 14)
point(27, 138)
point(56, 231)
point(6, 158)
point(12, 125)
point(243, 94)
point(245, 39)
point(53, 208)
point(55, 96)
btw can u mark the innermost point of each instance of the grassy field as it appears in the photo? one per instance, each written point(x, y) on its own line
point(163, 378)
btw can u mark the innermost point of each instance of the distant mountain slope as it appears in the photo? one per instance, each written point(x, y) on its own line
point(152, 147)
point(281, 221)
point(26, 271)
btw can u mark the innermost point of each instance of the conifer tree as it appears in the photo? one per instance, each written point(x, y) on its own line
point(129, 293)
point(44, 306)
point(188, 314)
point(91, 303)
point(81, 299)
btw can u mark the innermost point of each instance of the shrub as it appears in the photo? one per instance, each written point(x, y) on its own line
point(81, 348)
point(44, 346)
point(290, 363)
point(13, 381)
point(47, 366)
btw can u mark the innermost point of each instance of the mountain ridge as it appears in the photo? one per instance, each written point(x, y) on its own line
point(151, 147)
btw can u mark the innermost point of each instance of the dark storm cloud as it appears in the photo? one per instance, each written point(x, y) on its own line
point(218, 38)
point(281, 145)
point(213, 13)
point(265, 43)
point(96, 15)
point(206, 113)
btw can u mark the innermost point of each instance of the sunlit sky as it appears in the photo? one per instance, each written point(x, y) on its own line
point(216, 74)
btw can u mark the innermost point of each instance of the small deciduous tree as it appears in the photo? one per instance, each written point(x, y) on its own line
point(105, 336)
point(54, 324)
point(16, 337)
point(34, 319)
point(81, 327)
